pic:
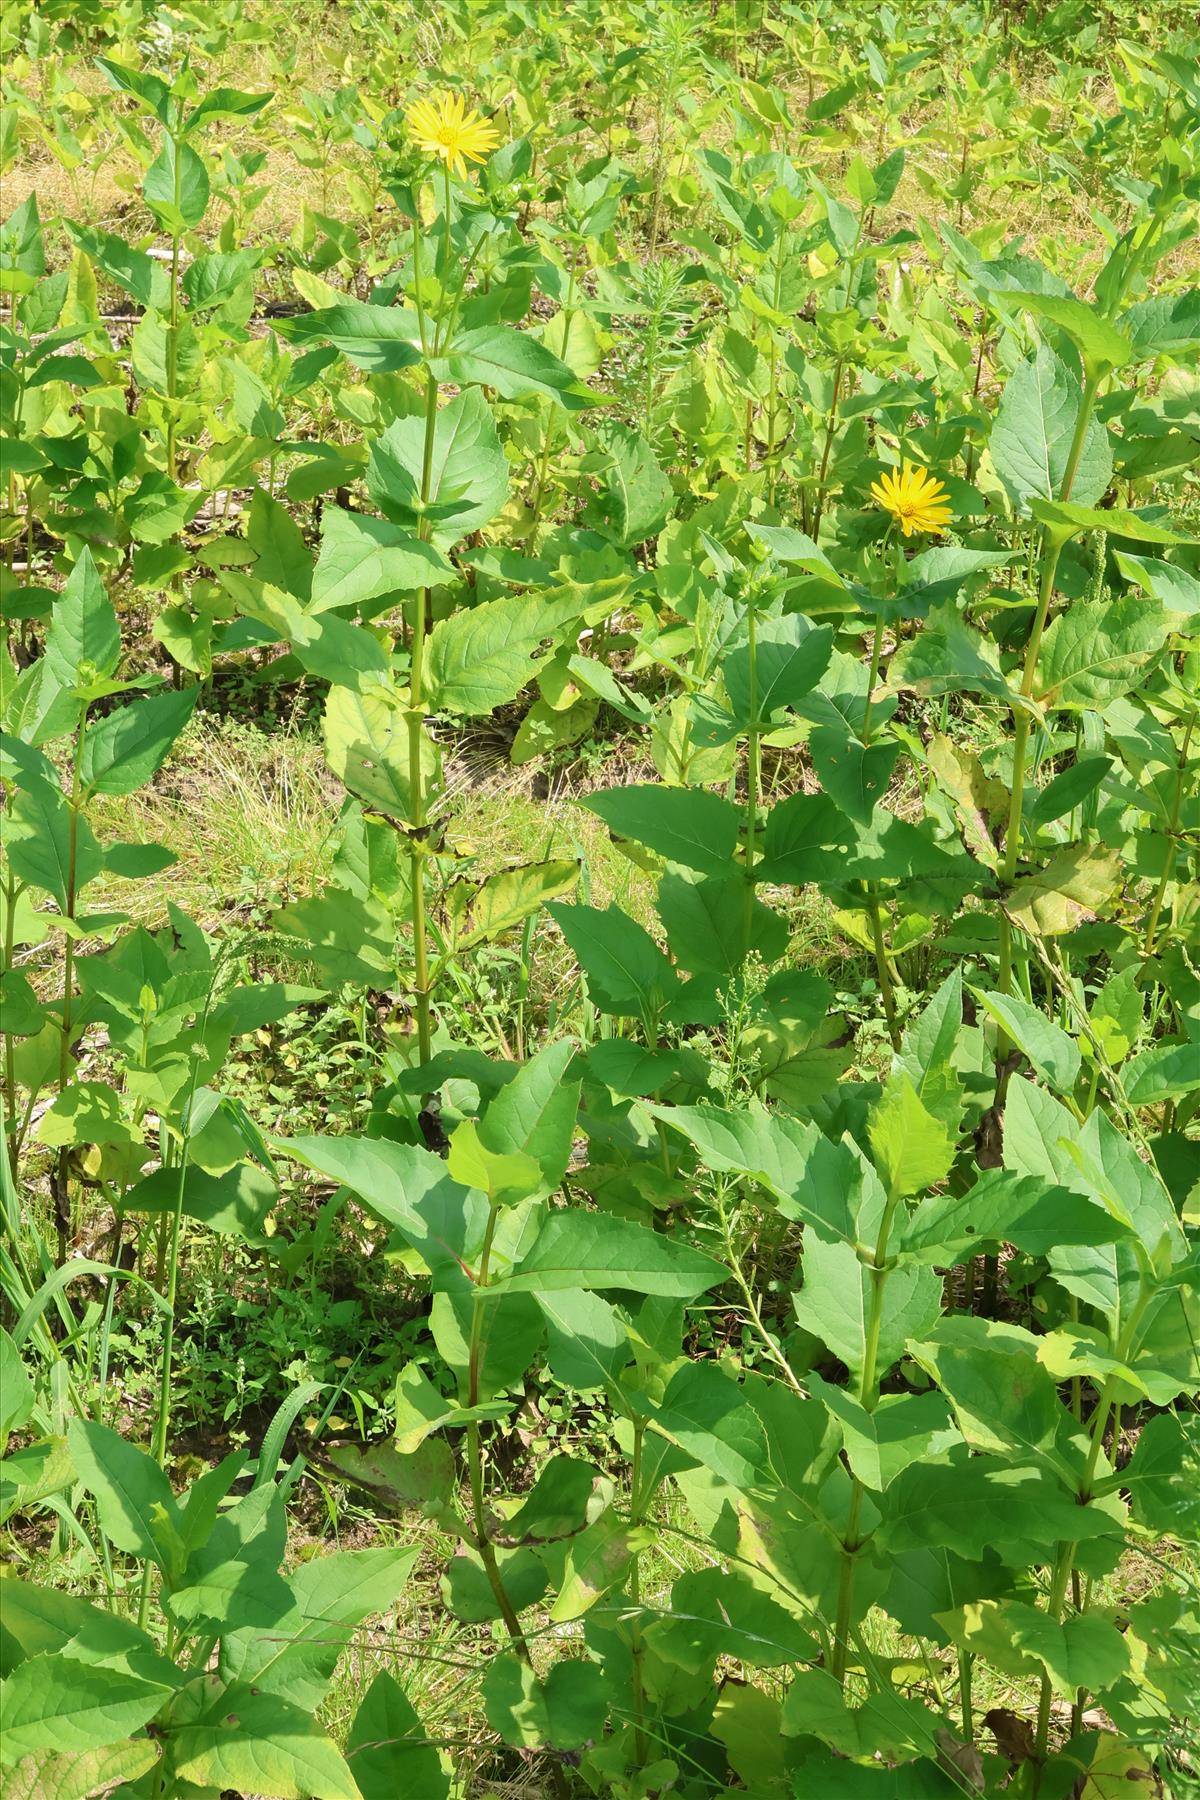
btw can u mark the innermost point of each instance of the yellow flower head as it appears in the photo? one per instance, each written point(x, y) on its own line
point(915, 498)
point(442, 127)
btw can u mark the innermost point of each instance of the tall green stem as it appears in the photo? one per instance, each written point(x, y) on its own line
point(416, 736)
point(883, 969)
point(479, 1521)
point(1052, 547)
point(868, 1395)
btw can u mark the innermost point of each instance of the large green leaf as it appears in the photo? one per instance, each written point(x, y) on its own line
point(1033, 431)
point(365, 560)
point(1084, 1653)
point(37, 842)
point(972, 1503)
point(380, 339)
point(790, 658)
point(468, 470)
point(76, 1775)
point(58, 1703)
point(1027, 1210)
point(1066, 519)
point(482, 656)
point(367, 746)
point(562, 1712)
point(636, 499)
point(84, 639)
point(1054, 1055)
point(1100, 344)
point(512, 362)
point(257, 1743)
point(1004, 1400)
point(125, 749)
point(330, 1595)
point(138, 1512)
point(1095, 651)
point(176, 187)
point(837, 1299)
point(387, 1748)
point(576, 1249)
point(626, 971)
point(881, 1443)
point(685, 825)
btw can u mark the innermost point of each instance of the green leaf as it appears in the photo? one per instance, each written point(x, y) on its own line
point(137, 1510)
point(1164, 325)
point(512, 362)
point(380, 339)
point(948, 657)
point(835, 1304)
point(1034, 429)
point(1084, 1652)
point(1094, 652)
point(1068, 520)
point(235, 1204)
point(37, 842)
point(482, 656)
point(715, 1613)
point(125, 749)
point(80, 1774)
point(689, 826)
point(971, 1503)
point(854, 775)
point(145, 280)
point(1004, 1400)
point(331, 1595)
point(468, 470)
point(387, 1749)
point(1176, 590)
point(637, 499)
point(1005, 1207)
point(808, 838)
point(791, 655)
point(709, 926)
point(626, 972)
point(58, 1703)
point(706, 1414)
point(364, 560)
point(1164, 1072)
point(257, 1743)
point(505, 1179)
point(1054, 1055)
point(880, 1444)
point(16, 1389)
point(1100, 344)
point(84, 639)
point(563, 1712)
point(814, 1180)
point(533, 1115)
point(367, 746)
point(912, 1148)
point(577, 1249)
point(1162, 1476)
point(176, 187)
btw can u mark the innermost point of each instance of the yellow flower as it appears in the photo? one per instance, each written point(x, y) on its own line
point(915, 498)
point(442, 127)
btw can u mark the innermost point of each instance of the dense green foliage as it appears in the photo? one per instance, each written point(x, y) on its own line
point(730, 1271)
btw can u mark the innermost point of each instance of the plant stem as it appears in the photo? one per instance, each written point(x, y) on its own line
point(482, 1540)
point(1172, 848)
point(416, 781)
point(868, 1395)
point(1052, 546)
point(637, 1647)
